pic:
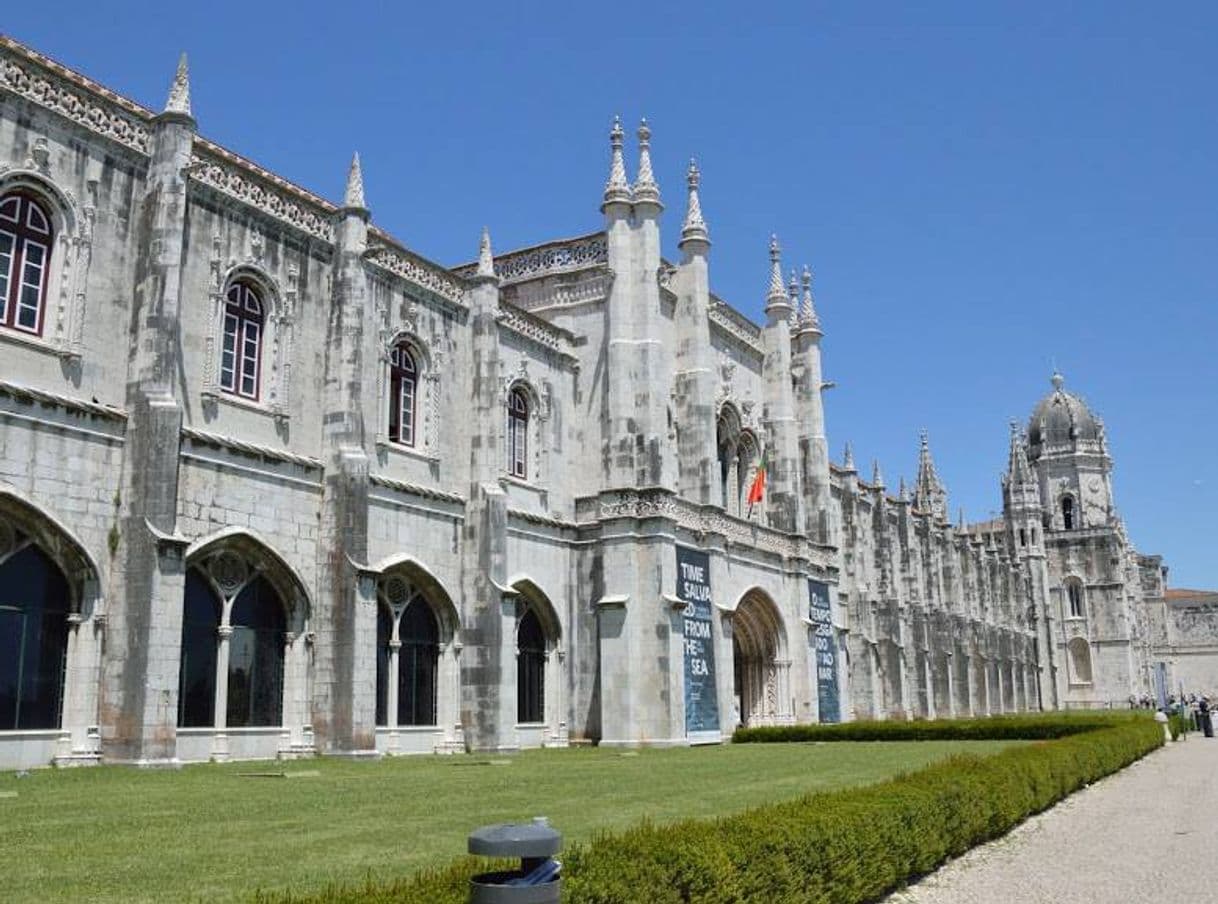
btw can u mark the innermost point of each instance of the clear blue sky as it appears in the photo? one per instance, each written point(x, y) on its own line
point(982, 189)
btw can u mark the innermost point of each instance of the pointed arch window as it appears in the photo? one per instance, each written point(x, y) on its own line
point(408, 644)
point(403, 395)
point(241, 351)
point(25, 257)
point(34, 605)
point(530, 669)
point(1068, 518)
point(253, 642)
point(518, 434)
point(1074, 598)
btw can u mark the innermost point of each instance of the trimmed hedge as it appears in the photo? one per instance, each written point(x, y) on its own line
point(991, 728)
point(837, 847)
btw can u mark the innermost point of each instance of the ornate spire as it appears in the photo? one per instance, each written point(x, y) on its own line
point(486, 261)
point(902, 491)
point(877, 479)
point(848, 459)
point(1057, 379)
point(353, 197)
point(929, 493)
point(617, 189)
point(645, 188)
point(1018, 469)
point(807, 309)
point(793, 295)
point(179, 91)
point(694, 227)
point(777, 293)
point(961, 524)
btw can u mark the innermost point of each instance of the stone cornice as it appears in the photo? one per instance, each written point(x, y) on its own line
point(37, 78)
point(24, 393)
point(535, 330)
point(254, 450)
point(559, 256)
point(735, 326)
point(394, 259)
point(415, 489)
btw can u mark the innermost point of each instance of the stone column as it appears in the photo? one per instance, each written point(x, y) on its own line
point(219, 743)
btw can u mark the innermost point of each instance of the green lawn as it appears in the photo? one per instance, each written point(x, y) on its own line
point(208, 833)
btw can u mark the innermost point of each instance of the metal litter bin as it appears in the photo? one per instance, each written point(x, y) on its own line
point(535, 843)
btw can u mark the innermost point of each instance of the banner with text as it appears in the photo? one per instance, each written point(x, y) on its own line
point(824, 651)
point(701, 694)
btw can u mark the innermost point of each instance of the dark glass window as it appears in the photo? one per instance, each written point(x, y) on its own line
point(1074, 592)
point(255, 657)
point(241, 354)
point(384, 634)
point(25, 257)
point(518, 433)
point(200, 639)
point(1068, 512)
point(33, 640)
point(403, 386)
point(417, 662)
point(530, 669)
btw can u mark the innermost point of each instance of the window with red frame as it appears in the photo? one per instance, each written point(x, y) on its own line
point(25, 256)
point(403, 392)
point(241, 356)
point(518, 433)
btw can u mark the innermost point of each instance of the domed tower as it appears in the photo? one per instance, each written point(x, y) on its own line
point(1093, 595)
point(1068, 450)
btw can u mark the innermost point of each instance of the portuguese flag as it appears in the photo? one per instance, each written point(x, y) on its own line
point(757, 490)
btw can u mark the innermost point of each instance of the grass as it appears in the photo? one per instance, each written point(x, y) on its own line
point(208, 833)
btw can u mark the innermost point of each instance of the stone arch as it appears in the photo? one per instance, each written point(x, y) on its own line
point(259, 558)
point(433, 589)
point(19, 516)
point(537, 415)
point(533, 601)
point(31, 535)
point(760, 662)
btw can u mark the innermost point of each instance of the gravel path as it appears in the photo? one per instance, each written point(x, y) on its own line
point(1147, 834)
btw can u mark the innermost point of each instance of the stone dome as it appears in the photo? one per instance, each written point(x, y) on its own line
point(1061, 418)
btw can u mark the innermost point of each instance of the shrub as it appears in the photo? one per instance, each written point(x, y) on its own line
point(829, 848)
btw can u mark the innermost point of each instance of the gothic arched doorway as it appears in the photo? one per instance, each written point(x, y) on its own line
point(761, 670)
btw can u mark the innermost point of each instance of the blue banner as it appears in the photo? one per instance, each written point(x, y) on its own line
point(701, 693)
point(824, 651)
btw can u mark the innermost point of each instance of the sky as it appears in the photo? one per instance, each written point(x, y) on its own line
point(984, 191)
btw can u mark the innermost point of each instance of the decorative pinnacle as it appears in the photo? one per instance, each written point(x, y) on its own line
point(617, 189)
point(877, 479)
point(179, 91)
point(353, 198)
point(486, 262)
point(777, 294)
point(1057, 379)
point(694, 227)
point(961, 524)
point(848, 458)
point(807, 310)
point(645, 188)
point(793, 294)
point(902, 492)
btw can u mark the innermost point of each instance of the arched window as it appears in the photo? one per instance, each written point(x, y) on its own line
point(255, 656)
point(518, 434)
point(1068, 512)
point(200, 635)
point(530, 669)
point(1074, 598)
point(724, 454)
point(417, 661)
point(746, 462)
point(1080, 660)
point(241, 354)
point(25, 256)
point(34, 604)
point(403, 395)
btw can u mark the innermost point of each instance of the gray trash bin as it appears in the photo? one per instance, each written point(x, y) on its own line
point(534, 843)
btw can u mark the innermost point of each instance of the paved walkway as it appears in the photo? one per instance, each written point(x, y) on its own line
point(1145, 834)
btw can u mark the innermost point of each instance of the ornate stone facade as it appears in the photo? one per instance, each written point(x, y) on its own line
point(290, 487)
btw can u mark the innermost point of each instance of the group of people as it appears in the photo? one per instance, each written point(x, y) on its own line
point(1196, 711)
